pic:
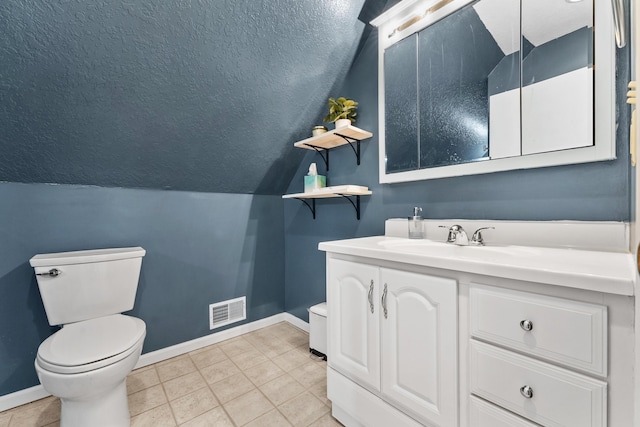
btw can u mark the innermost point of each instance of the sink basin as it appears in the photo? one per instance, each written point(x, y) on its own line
point(448, 250)
point(533, 259)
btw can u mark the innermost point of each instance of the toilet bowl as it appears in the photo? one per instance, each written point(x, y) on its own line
point(86, 362)
point(92, 392)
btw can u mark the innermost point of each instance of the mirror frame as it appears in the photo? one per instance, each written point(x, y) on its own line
point(604, 147)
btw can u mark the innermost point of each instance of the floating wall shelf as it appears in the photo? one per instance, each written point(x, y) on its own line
point(346, 191)
point(335, 138)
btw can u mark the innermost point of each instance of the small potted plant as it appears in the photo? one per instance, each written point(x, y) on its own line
point(342, 111)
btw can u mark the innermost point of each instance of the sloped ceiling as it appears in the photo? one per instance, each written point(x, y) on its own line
point(542, 20)
point(201, 95)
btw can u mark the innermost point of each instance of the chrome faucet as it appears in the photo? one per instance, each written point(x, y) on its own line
point(477, 236)
point(459, 237)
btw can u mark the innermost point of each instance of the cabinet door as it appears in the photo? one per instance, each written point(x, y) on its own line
point(353, 342)
point(419, 344)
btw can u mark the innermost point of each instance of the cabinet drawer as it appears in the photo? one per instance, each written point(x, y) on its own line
point(568, 332)
point(483, 414)
point(558, 397)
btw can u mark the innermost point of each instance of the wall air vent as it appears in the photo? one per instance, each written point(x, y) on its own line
point(226, 312)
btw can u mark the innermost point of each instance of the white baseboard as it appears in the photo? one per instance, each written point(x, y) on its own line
point(37, 392)
point(298, 323)
point(21, 397)
point(185, 347)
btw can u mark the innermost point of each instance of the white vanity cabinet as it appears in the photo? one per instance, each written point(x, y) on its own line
point(393, 336)
point(425, 333)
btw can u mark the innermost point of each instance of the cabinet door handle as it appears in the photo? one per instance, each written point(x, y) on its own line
point(526, 391)
point(384, 301)
point(370, 296)
point(526, 325)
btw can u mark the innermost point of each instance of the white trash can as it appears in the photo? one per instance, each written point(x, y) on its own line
point(318, 330)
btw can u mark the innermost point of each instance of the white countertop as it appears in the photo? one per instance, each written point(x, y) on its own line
point(610, 272)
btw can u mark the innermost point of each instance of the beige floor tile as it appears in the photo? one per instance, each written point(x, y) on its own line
point(291, 360)
point(175, 368)
point(326, 421)
point(270, 419)
point(183, 385)
point(192, 405)
point(248, 359)
point(232, 387)
point(303, 409)
point(216, 417)
point(235, 347)
point(260, 335)
point(4, 419)
point(156, 417)
point(141, 379)
point(54, 424)
point(285, 329)
point(208, 357)
point(270, 347)
point(264, 372)
point(281, 389)
point(319, 390)
point(146, 399)
point(281, 328)
point(36, 414)
point(268, 330)
point(248, 407)
point(221, 370)
point(310, 373)
point(296, 338)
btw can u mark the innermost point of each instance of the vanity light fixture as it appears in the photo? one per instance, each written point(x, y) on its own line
point(573, 1)
point(409, 22)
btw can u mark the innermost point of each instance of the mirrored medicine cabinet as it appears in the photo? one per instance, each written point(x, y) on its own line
point(470, 87)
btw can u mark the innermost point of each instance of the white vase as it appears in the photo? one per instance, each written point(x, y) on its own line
point(341, 123)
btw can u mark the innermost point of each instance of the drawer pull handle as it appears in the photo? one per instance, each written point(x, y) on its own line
point(526, 391)
point(526, 325)
point(370, 296)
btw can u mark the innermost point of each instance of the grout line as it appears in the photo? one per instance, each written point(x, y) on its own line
point(175, 420)
point(220, 404)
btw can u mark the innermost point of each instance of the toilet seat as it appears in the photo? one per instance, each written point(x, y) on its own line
point(91, 344)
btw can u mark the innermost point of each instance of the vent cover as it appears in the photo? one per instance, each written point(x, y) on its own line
point(225, 312)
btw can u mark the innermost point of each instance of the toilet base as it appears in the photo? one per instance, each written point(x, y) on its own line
point(96, 398)
point(109, 409)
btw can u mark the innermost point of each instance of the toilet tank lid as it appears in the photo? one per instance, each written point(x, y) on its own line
point(82, 257)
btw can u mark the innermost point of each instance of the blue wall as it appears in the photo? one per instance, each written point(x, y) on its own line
point(201, 248)
point(595, 191)
point(203, 96)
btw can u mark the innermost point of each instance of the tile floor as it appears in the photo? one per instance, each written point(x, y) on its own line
point(264, 378)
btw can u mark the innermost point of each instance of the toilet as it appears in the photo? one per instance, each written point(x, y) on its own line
point(86, 362)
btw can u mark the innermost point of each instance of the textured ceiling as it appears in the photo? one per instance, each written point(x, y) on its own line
point(201, 95)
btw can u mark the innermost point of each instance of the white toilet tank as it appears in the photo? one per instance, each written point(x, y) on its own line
point(84, 285)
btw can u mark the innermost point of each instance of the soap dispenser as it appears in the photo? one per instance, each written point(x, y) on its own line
point(416, 230)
